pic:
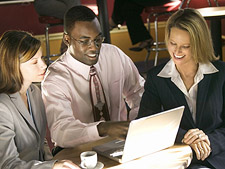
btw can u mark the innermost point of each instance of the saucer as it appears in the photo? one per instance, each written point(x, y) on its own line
point(99, 165)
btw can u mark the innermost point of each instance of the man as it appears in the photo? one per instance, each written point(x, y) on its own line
point(66, 88)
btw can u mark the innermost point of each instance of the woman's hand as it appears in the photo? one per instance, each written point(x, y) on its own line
point(195, 136)
point(65, 164)
point(199, 142)
point(202, 150)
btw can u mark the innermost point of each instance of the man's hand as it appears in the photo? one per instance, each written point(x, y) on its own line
point(116, 130)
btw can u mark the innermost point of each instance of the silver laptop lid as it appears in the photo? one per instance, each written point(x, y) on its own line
point(152, 133)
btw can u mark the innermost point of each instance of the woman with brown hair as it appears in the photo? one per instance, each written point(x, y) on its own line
point(23, 119)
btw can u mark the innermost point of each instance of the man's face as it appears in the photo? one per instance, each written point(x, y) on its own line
point(85, 41)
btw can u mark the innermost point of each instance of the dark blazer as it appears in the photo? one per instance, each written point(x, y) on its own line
point(22, 142)
point(162, 94)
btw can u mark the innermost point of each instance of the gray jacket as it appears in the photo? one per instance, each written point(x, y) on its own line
point(22, 142)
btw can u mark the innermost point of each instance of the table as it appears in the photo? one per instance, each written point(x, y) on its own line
point(215, 14)
point(177, 156)
point(15, 2)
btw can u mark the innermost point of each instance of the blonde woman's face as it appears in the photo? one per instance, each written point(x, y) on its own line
point(179, 47)
point(34, 69)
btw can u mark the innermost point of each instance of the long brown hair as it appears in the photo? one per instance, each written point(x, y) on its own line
point(15, 47)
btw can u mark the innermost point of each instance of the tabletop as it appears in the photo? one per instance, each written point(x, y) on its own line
point(15, 2)
point(215, 15)
point(212, 11)
point(177, 156)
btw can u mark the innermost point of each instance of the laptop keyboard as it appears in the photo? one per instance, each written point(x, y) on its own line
point(117, 153)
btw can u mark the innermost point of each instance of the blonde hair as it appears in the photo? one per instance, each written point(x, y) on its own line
point(15, 47)
point(192, 21)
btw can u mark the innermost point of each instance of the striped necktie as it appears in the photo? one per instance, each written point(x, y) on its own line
point(98, 100)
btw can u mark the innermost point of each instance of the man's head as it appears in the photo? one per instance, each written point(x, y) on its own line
point(82, 34)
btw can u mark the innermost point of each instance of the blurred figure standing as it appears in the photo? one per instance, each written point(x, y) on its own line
point(129, 11)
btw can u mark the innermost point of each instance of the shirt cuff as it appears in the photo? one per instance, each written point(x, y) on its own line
point(93, 131)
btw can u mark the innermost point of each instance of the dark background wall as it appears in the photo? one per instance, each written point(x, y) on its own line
point(22, 16)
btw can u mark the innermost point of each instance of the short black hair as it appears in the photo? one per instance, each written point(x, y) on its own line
point(77, 13)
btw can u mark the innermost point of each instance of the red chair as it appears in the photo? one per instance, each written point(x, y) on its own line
point(50, 22)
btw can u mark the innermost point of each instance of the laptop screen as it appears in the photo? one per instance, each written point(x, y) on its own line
point(145, 136)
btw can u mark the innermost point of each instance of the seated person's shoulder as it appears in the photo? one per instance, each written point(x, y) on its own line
point(110, 48)
point(57, 69)
point(57, 77)
point(57, 65)
point(6, 103)
point(219, 64)
point(3, 97)
point(114, 54)
point(156, 69)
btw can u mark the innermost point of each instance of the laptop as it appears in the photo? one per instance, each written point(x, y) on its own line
point(145, 136)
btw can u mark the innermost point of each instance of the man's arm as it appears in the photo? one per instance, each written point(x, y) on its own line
point(66, 130)
point(133, 87)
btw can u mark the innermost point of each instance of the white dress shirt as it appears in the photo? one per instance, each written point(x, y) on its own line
point(170, 71)
point(66, 95)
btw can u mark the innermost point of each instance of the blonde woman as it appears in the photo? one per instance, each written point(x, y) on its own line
point(196, 79)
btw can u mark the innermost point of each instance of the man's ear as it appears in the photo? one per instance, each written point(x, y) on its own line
point(66, 39)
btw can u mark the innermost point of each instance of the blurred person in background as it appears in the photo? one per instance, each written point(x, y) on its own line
point(129, 12)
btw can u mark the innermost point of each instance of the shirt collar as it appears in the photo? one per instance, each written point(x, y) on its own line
point(80, 68)
point(169, 70)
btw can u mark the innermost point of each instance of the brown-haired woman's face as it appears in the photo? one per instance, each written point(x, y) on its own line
point(34, 69)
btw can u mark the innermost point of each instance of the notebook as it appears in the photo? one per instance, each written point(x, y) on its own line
point(145, 136)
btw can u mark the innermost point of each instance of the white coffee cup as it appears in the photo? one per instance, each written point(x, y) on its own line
point(89, 159)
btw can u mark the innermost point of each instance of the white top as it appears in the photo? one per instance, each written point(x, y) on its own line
point(170, 71)
point(66, 94)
